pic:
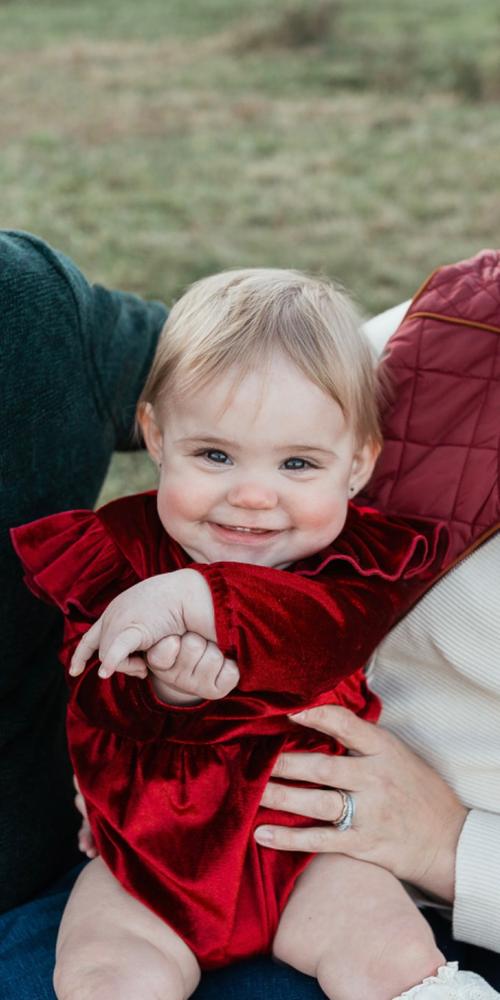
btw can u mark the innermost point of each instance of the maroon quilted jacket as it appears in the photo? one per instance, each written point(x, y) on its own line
point(442, 432)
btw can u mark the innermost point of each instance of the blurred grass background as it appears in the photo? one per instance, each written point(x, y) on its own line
point(158, 142)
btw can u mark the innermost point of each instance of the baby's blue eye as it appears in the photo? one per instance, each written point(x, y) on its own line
point(298, 463)
point(214, 455)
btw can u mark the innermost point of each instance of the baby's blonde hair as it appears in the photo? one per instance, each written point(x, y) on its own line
point(239, 319)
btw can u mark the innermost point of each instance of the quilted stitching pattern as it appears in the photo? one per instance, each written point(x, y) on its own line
point(475, 290)
point(442, 429)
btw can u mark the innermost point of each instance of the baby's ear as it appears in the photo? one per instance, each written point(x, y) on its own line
point(363, 464)
point(151, 431)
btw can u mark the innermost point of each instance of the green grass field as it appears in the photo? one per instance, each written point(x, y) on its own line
point(158, 142)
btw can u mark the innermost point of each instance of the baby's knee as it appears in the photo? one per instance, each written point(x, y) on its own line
point(406, 958)
point(412, 956)
point(99, 973)
point(93, 980)
point(105, 981)
point(86, 972)
point(413, 960)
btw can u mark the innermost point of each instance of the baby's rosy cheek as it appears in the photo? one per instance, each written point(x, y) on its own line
point(179, 500)
point(323, 514)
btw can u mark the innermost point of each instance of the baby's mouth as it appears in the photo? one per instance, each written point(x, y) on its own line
point(239, 528)
point(243, 535)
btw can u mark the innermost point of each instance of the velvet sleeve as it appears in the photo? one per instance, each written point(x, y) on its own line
point(298, 634)
point(72, 562)
point(76, 561)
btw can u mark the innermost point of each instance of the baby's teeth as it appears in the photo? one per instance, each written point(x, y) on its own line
point(259, 530)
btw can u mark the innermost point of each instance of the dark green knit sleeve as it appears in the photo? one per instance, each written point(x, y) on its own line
point(109, 336)
point(119, 334)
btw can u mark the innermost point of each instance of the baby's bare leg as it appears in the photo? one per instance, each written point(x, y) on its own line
point(111, 946)
point(352, 926)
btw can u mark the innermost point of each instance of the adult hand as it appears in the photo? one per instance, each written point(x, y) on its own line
point(166, 605)
point(407, 819)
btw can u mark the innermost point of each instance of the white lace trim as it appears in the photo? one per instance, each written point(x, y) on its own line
point(451, 984)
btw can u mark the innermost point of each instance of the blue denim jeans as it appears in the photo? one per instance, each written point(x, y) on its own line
point(28, 937)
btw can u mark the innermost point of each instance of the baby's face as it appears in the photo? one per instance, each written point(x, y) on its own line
point(256, 472)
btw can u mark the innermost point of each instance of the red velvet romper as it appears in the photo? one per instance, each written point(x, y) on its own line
point(173, 793)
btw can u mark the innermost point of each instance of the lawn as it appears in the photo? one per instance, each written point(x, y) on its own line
point(158, 142)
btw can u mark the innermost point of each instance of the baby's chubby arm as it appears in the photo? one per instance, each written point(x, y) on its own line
point(269, 621)
point(169, 618)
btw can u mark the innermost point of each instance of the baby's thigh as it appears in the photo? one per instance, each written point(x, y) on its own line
point(352, 926)
point(110, 945)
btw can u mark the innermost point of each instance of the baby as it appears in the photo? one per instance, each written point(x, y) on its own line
point(260, 412)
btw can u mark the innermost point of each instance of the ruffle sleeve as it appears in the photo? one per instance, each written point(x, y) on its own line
point(71, 560)
point(384, 547)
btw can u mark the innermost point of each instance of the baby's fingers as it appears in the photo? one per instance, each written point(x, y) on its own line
point(163, 655)
point(85, 839)
point(88, 645)
point(214, 676)
point(132, 666)
point(227, 678)
point(86, 843)
point(116, 657)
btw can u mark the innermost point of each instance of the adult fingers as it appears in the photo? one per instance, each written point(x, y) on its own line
point(88, 645)
point(354, 733)
point(320, 769)
point(317, 803)
point(313, 839)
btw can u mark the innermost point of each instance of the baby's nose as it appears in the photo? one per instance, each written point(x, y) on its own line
point(252, 496)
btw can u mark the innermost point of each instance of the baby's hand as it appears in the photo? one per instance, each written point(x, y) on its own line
point(187, 669)
point(170, 604)
point(86, 842)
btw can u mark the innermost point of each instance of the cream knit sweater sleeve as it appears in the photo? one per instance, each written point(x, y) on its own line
point(476, 913)
point(438, 674)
